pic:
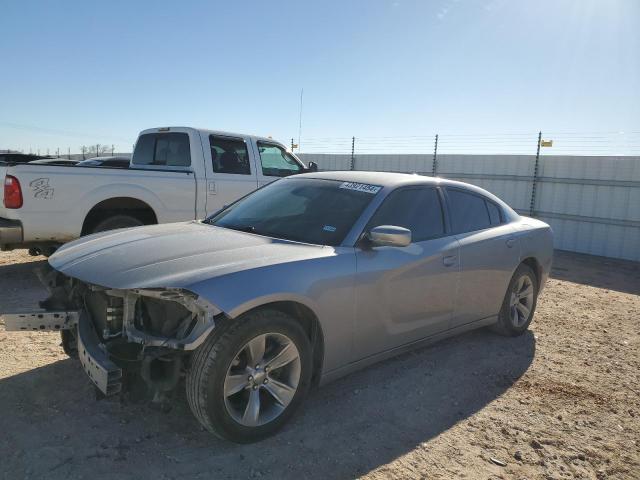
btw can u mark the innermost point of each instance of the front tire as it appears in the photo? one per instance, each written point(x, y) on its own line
point(519, 303)
point(248, 379)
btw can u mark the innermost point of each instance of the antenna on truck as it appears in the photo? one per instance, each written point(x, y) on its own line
point(300, 123)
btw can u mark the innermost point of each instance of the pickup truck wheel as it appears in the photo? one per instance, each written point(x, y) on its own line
point(69, 343)
point(519, 303)
point(246, 381)
point(117, 221)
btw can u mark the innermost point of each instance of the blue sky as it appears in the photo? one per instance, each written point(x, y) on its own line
point(79, 72)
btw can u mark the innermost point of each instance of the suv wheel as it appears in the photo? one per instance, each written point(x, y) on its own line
point(247, 381)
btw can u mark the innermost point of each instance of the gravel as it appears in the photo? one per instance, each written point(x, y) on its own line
point(562, 401)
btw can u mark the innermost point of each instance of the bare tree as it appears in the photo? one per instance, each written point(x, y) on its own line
point(95, 150)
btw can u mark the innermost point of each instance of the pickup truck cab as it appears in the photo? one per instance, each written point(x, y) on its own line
point(176, 174)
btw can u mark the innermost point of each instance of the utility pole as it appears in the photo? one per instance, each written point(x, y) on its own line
point(435, 157)
point(353, 153)
point(535, 176)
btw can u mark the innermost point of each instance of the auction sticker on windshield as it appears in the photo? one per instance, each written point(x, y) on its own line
point(361, 187)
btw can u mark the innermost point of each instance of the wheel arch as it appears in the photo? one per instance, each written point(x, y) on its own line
point(118, 205)
point(311, 325)
point(535, 265)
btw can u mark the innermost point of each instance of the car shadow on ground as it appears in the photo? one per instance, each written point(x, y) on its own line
point(600, 272)
point(55, 428)
point(21, 288)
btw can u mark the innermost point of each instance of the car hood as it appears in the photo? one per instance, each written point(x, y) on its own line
point(173, 255)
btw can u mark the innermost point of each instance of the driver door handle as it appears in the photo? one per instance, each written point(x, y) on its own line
point(449, 260)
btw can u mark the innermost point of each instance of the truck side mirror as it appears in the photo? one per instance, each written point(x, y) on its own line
point(313, 167)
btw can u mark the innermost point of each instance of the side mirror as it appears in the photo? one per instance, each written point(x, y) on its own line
point(313, 167)
point(388, 236)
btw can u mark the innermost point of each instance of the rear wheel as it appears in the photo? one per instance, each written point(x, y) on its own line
point(69, 343)
point(117, 221)
point(519, 303)
point(247, 381)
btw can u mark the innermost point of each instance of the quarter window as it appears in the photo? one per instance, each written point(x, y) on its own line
point(469, 212)
point(276, 162)
point(494, 213)
point(163, 149)
point(417, 209)
point(229, 155)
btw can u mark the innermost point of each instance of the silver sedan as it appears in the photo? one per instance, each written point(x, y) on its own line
point(296, 284)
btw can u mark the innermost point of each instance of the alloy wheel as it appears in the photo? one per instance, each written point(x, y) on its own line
point(262, 379)
point(521, 301)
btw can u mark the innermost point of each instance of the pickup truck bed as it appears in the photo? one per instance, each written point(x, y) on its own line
point(176, 174)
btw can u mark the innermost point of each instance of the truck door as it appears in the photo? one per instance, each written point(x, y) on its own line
point(230, 172)
point(273, 162)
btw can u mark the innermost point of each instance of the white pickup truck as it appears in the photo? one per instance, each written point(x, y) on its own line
point(176, 174)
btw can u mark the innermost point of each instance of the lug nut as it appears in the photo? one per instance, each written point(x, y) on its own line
point(266, 380)
point(255, 387)
point(257, 366)
point(250, 378)
point(267, 368)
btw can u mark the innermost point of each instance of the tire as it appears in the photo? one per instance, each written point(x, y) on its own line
point(224, 360)
point(513, 319)
point(117, 221)
point(69, 343)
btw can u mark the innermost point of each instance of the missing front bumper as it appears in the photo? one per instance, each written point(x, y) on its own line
point(104, 374)
point(40, 320)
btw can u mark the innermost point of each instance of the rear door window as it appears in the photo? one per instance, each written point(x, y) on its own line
point(162, 149)
point(417, 209)
point(468, 211)
point(276, 162)
point(229, 155)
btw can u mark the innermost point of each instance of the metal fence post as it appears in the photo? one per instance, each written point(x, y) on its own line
point(292, 144)
point(435, 157)
point(534, 183)
point(353, 152)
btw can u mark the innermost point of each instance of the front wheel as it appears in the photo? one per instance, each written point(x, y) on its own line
point(519, 303)
point(246, 381)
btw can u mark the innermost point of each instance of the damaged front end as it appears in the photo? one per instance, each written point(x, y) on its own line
point(122, 336)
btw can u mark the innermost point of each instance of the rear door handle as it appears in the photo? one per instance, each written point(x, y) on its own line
point(510, 242)
point(449, 260)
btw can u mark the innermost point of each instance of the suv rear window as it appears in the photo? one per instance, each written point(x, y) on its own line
point(162, 149)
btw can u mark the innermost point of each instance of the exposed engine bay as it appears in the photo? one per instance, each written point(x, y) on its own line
point(123, 336)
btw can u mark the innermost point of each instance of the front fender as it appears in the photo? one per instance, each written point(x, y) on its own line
point(324, 285)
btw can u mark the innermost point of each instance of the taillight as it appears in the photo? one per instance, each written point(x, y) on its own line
point(12, 192)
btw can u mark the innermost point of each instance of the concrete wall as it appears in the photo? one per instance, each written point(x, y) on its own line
point(591, 202)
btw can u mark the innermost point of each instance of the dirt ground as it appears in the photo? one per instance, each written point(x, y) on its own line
point(562, 401)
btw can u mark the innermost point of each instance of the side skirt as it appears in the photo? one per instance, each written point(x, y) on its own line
point(378, 357)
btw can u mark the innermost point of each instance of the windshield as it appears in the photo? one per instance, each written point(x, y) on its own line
point(305, 210)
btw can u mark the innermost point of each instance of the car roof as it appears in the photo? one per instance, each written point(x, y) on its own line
point(383, 179)
point(392, 180)
point(211, 132)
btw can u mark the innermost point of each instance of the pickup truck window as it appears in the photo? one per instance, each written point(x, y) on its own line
point(163, 149)
point(229, 155)
point(276, 162)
